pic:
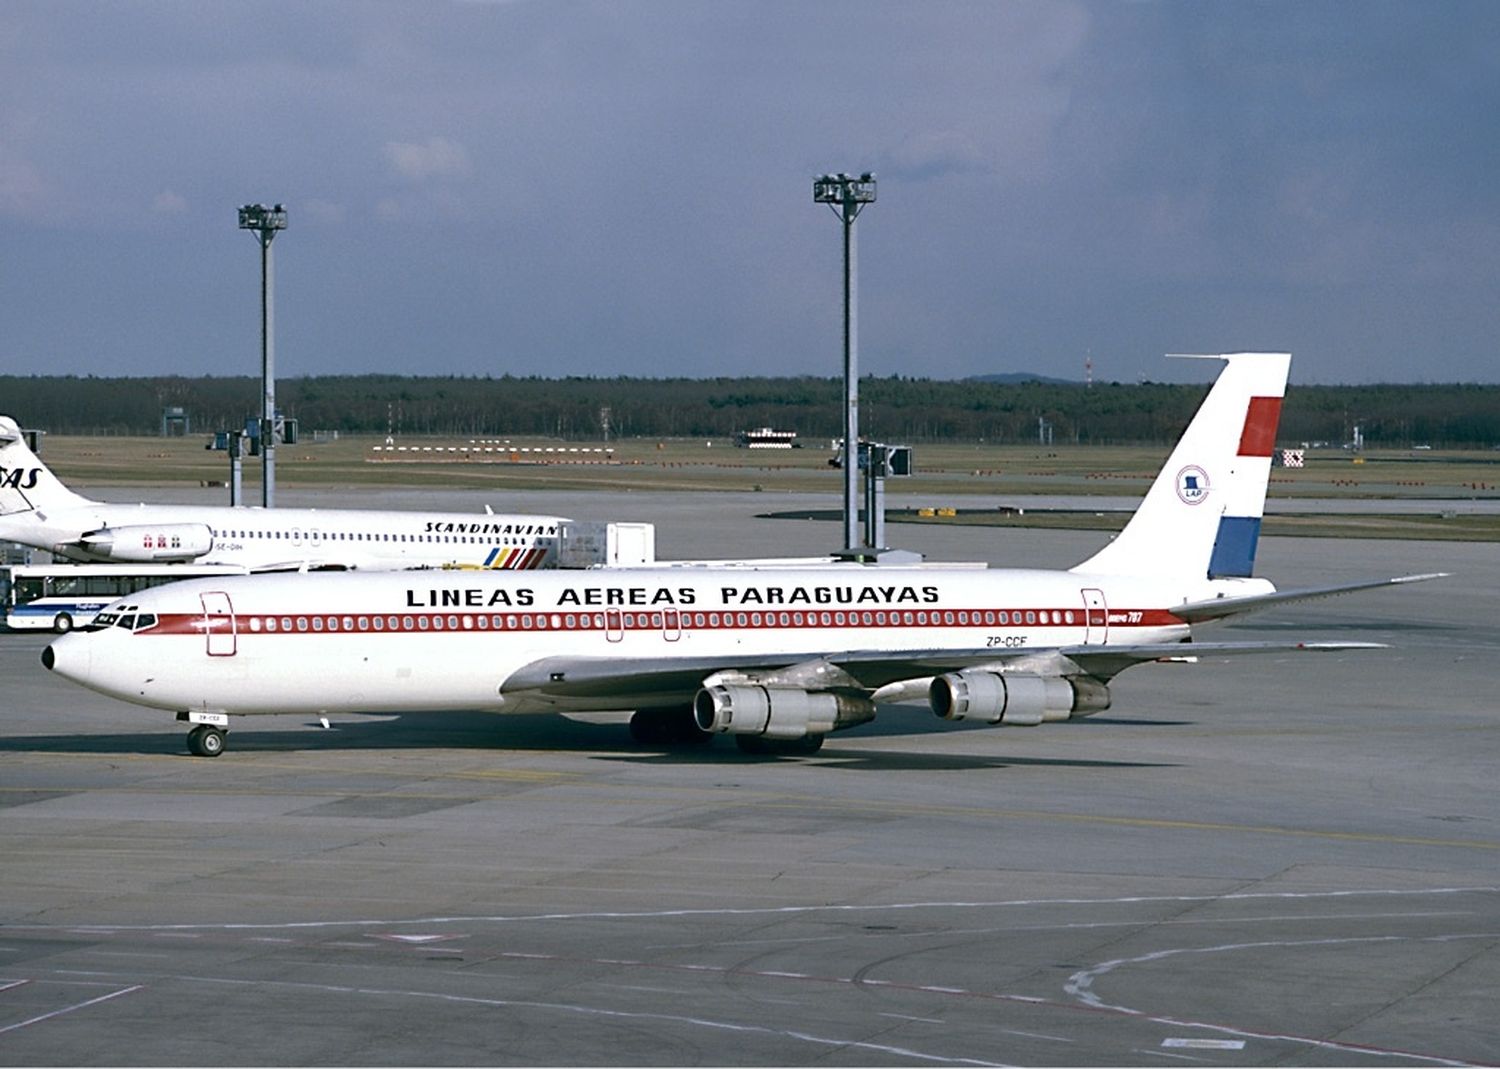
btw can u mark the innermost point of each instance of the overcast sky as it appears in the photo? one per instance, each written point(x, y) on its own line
point(624, 188)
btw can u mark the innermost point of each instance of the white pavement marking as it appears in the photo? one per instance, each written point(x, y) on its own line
point(1080, 985)
point(70, 1009)
point(754, 911)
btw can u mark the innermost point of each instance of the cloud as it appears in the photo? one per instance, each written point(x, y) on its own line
point(324, 211)
point(936, 154)
point(437, 158)
point(168, 202)
point(21, 189)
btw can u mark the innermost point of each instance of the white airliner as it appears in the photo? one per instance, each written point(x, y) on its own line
point(37, 510)
point(776, 656)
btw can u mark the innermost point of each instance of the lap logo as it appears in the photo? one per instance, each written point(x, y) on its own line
point(19, 478)
point(1192, 485)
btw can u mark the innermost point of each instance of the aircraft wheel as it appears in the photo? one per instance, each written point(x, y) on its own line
point(62, 623)
point(647, 728)
point(660, 727)
point(808, 744)
point(205, 740)
point(759, 745)
point(682, 728)
point(690, 734)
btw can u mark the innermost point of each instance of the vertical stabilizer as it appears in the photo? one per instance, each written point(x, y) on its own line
point(26, 484)
point(1201, 517)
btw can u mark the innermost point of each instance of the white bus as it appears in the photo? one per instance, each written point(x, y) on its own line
point(65, 596)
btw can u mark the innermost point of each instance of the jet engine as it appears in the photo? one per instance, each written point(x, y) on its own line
point(1016, 698)
point(144, 543)
point(777, 712)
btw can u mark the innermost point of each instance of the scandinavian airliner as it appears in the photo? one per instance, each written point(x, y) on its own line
point(776, 656)
point(37, 510)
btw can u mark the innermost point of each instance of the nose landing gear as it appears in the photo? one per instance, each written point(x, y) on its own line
point(205, 740)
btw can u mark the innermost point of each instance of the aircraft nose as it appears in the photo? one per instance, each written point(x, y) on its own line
point(69, 657)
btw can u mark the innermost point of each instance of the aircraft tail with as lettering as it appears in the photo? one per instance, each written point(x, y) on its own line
point(26, 484)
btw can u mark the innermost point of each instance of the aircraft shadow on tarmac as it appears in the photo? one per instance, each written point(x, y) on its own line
point(884, 760)
point(608, 742)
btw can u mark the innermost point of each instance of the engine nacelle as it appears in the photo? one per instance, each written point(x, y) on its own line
point(145, 543)
point(777, 712)
point(1015, 697)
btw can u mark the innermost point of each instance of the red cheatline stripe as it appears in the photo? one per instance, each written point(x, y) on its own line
point(1259, 436)
point(434, 620)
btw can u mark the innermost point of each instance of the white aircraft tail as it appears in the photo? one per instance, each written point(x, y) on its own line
point(26, 484)
point(1201, 517)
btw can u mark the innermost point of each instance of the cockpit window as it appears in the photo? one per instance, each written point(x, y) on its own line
point(145, 620)
point(127, 622)
point(101, 621)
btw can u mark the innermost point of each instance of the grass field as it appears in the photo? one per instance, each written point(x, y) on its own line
point(946, 473)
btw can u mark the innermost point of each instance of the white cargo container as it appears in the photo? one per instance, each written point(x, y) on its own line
point(597, 544)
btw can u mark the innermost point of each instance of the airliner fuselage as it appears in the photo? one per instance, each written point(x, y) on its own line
point(334, 643)
point(264, 539)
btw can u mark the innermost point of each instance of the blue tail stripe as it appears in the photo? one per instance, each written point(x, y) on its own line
point(1234, 547)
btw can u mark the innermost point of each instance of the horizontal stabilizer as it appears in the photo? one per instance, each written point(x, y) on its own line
point(1197, 612)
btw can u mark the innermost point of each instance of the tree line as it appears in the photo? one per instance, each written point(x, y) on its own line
point(897, 409)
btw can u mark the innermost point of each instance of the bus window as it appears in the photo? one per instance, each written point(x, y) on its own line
point(64, 596)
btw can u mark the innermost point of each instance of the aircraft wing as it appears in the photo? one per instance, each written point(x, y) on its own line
point(633, 682)
point(1105, 662)
point(1197, 612)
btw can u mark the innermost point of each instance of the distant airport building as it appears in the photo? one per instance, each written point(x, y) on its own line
point(766, 438)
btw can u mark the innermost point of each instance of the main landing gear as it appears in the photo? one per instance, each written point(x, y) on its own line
point(760, 746)
point(677, 727)
point(667, 727)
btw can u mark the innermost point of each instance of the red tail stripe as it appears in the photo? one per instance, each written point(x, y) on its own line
point(1259, 436)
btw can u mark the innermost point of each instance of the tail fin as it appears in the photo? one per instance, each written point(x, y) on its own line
point(1201, 517)
point(26, 484)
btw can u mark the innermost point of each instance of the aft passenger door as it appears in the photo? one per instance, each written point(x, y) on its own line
point(218, 624)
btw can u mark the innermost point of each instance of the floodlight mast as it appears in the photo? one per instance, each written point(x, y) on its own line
point(264, 223)
point(847, 195)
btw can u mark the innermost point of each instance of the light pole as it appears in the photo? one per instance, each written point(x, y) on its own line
point(847, 195)
point(264, 222)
